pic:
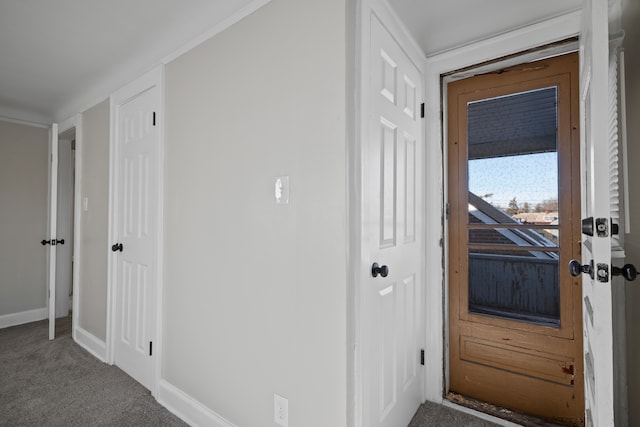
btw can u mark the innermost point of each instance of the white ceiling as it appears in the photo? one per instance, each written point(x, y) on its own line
point(57, 57)
point(440, 25)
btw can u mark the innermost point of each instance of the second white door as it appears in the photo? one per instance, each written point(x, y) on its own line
point(136, 225)
point(392, 235)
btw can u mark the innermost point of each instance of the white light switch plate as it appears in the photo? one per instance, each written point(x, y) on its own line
point(281, 190)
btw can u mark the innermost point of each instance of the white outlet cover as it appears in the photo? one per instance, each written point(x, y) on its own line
point(281, 190)
point(280, 410)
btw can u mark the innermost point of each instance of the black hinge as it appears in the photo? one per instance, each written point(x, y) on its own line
point(422, 357)
point(150, 348)
point(422, 110)
point(154, 118)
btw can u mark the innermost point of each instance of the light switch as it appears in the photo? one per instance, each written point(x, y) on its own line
point(282, 190)
point(85, 204)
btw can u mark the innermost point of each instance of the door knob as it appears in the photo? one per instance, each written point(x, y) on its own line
point(575, 268)
point(117, 247)
point(52, 242)
point(628, 271)
point(382, 270)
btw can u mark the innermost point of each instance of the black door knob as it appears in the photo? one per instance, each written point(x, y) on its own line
point(117, 247)
point(382, 270)
point(45, 242)
point(628, 271)
point(575, 268)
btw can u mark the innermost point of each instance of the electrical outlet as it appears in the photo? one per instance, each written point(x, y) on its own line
point(280, 410)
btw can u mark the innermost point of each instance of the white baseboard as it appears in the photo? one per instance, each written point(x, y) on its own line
point(187, 408)
point(91, 343)
point(23, 317)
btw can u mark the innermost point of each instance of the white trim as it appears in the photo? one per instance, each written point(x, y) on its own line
point(77, 226)
point(91, 343)
point(30, 117)
point(67, 124)
point(540, 34)
point(22, 317)
point(24, 122)
point(52, 232)
point(386, 15)
point(154, 78)
point(111, 229)
point(187, 408)
point(160, 270)
point(216, 29)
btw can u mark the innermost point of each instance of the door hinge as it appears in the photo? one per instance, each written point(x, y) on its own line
point(447, 210)
point(422, 110)
point(150, 348)
point(154, 118)
point(422, 357)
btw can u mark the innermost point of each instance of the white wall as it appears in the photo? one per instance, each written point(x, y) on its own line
point(631, 24)
point(23, 217)
point(256, 294)
point(94, 221)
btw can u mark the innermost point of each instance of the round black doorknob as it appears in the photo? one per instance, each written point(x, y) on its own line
point(576, 268)
point(117, 247)
point(628, 271)
point(382, 270)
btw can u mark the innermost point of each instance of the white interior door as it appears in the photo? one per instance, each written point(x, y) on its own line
point(392, 236)
point(52, 226)
point(135, 250)
point(599, 205)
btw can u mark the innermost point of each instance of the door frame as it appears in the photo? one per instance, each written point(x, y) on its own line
point(75, 121)
point(52, 217)
point(505, 50)
point(155, 77)
point(509, 47)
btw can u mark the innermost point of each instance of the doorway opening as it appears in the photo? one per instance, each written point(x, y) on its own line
point(515, 318)
point(65, 232)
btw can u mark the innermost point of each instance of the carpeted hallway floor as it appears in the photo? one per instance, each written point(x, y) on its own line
point(57, 383)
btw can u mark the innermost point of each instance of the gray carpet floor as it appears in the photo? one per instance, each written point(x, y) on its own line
point(432, 414)
point(57, 383)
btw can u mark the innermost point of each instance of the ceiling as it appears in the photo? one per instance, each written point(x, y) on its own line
point(59, 57)
point(440, 25)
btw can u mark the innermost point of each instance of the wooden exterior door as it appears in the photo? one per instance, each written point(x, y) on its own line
point(515, 312)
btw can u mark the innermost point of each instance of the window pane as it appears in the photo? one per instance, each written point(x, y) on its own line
point(513, 180)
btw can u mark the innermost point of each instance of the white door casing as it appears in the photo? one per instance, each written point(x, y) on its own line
point(136, 224)
point(598, 96)
point(392, 235)
point(64, 251)
point(52, 226)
